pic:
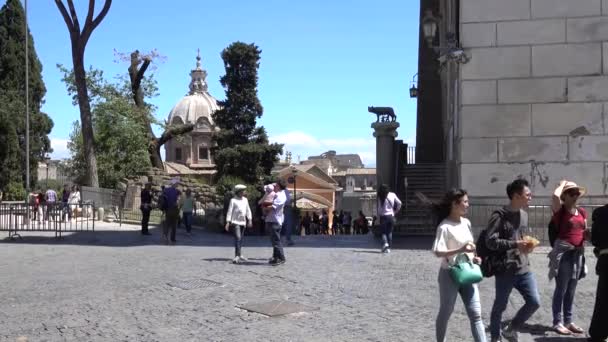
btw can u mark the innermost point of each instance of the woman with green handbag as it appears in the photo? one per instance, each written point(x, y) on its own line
point(459, 265)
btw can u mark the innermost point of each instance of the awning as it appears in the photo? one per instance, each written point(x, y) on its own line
point(306, 204)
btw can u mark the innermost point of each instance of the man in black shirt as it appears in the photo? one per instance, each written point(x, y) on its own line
point(598, 330)
point(146, 208)
point(512, 267)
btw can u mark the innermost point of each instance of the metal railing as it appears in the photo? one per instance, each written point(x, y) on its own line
point(56, 217)
point(411, 155)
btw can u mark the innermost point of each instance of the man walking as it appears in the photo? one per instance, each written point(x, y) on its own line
point(598, 330)
point(274, 220)
point(171, 211)
point(146, 208)
point(510, 261)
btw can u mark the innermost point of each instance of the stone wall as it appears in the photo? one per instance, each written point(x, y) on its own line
point(205, 195)
point(534, 96)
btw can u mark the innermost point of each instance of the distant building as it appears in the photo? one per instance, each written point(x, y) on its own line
point(333, 162)
point(356, 190)
point(53, 170)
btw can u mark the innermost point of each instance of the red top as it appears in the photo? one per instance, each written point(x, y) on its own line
point(572, 227)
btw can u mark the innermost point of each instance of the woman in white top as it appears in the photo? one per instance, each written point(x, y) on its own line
point(454, 237)
point(74, 201)
point(238, 217)
point(388, 206)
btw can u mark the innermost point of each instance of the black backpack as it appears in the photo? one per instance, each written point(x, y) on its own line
point(491, 261)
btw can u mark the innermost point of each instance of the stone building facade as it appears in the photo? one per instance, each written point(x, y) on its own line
point(532, 100)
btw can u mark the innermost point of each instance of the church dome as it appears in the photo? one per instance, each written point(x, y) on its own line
point(198, 105)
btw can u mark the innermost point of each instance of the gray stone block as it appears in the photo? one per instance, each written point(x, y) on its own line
point(526, 32)
point(589, 148)
point(567, 59)
point(493, 10)
point(587, 174)
point(492, 179)
point(588, 89)
point(565, 8)
point(482, 150)
point(605, 53)
point(478, 35)
point(495, 121)
point(533, 148)
point(567, 119)
point(500, 62)
point(532, 90)
point(478, 92)
point(587, 29)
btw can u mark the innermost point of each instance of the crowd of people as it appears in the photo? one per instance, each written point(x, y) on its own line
point(502, 250)
point(48, 205)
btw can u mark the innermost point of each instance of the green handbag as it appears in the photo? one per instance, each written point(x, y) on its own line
point(465, 272)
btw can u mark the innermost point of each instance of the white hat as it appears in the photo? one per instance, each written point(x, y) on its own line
point(239, 187)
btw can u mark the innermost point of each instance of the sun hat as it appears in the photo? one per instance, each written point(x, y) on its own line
point(239, 187)
point(573, 186)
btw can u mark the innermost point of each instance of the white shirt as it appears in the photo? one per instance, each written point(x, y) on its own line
point(276, 214)
point(74, 197)
point(452, 235)
point(391, 205)
point(238, 211)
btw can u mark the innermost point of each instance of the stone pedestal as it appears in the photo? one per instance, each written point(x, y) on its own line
point(385, 134)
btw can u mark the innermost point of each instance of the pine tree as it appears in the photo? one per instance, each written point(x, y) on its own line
point(243, 150)
point(12, 95)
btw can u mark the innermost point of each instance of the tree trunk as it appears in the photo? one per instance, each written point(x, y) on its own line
point(88, 136)
point(79, 41)
point(136, 75)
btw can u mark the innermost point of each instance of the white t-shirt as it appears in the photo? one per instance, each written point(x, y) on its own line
point(238, 211)
point(391, 205)
point(452, 235)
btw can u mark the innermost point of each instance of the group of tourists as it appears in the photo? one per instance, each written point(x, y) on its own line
point(49, 206)
point(502, 251)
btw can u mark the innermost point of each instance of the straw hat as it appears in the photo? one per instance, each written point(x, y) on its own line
point(573, 186)
point(239, 187)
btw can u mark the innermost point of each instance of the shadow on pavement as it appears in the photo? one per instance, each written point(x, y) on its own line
point(130, 237)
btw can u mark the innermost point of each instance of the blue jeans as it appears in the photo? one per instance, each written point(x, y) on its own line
point(287, 226)
point(526, 285)
point(448, 291)
point(274, 229)
point(187, 218)
point(239, 232)
point(565, 287)
point(387, 223)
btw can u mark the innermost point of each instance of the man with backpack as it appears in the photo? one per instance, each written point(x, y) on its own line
point(508, 260)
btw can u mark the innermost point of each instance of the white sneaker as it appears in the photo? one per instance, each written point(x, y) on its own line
point(388, 250)
point(236, 260)
point(242, 258)
point(385, 248)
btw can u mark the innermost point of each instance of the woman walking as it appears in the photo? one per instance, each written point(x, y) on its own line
point(188, 209)
point(238, 217)
point(388, 206)
point(566, 263)
point(454, 238)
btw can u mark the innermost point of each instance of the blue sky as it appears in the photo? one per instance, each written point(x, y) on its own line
point(322, 62)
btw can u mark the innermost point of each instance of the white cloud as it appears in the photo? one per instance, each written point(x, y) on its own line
point(297, 138)
point(60, 148)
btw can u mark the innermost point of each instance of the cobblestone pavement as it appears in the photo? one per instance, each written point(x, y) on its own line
point(112, 286)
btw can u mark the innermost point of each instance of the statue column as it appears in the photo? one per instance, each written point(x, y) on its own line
point(385, 134)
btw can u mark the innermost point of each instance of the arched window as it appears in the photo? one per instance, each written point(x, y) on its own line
point(202, 123)
point(177, 121)
point(203, 152)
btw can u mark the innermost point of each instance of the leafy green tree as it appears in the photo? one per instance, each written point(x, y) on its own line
point(12, 99)
point(121, 144)
point(243, 150)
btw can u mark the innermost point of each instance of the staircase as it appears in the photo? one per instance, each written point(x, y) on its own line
point(428, 179)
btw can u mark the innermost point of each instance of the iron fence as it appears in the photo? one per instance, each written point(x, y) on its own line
point(55, 217)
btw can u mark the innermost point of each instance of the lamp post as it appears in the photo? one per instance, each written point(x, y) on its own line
point(294, 172)
point(47, 161)
point(452, 50)
point(414, 88)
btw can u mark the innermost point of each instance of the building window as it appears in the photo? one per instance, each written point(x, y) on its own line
point(178, 154)
point(203, 153)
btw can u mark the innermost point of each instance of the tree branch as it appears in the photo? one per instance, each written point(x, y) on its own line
point(65, 15)
point(74, 16)
point(173, 131)
point(140, 74)
point(91, 26)
point(89, 20)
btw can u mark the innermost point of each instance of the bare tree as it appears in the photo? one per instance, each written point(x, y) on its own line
point(138, 66)
point(79, 39)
